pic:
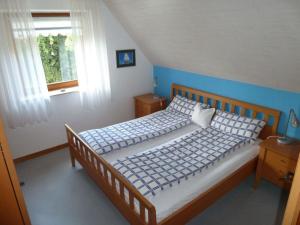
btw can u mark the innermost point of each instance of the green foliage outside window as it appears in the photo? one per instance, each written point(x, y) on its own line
point(57, 56)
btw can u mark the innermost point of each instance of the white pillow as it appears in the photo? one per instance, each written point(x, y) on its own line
point(202, 117)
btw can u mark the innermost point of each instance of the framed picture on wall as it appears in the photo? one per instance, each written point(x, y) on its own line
point(125, 58)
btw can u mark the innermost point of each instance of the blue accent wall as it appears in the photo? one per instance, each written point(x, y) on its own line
point(269, 97)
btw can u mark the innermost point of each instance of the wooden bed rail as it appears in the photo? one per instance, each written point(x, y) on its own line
point(133, 205)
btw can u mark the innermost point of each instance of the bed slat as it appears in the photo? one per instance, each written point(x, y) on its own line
point(131, 200)
point(142, 212)
point(122, 190)
point(242, 111)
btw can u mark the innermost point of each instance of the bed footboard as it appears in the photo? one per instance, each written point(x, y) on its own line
point(133, 205)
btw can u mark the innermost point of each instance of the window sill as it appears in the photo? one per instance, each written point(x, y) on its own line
point(63, 91)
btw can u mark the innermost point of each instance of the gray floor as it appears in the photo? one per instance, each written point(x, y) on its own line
point(57, 194)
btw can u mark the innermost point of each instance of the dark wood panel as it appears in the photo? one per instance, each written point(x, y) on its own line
point(14, 182)
point(292, 211)
point(9, 208)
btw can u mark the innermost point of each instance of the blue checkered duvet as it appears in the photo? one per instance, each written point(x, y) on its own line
point(176, 161)
point(135, 131)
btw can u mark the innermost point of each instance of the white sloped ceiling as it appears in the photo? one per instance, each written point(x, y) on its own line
point(255, 41)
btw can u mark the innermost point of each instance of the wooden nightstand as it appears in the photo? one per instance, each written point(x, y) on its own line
point(277, 162)
point(147, 104)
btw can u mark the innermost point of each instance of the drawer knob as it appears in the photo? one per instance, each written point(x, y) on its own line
point(288, 177)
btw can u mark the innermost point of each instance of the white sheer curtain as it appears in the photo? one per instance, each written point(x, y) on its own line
point(90, 52)
point(23, 90)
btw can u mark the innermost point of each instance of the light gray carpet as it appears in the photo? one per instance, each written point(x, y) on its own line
point(57, 194)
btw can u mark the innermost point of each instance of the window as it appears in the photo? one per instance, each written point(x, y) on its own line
point(56, 49)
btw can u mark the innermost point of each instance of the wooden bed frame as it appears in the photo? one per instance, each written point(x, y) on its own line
point(125, 196)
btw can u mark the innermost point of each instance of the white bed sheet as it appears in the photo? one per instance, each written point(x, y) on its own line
point(164, 201)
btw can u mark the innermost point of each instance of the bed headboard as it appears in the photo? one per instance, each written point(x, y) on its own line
point(271, 116)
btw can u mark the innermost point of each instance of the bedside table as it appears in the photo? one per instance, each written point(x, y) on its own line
point(147, 104)
point(277, 162)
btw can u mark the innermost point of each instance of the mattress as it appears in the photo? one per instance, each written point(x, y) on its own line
point(164, 201)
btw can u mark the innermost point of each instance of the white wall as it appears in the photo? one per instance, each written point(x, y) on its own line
point(125, 83)
point(255, 41)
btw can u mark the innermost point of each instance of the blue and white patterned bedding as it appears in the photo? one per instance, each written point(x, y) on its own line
point(174, 162)
point(125, 134)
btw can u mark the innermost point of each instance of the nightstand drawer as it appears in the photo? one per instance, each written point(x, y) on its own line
point(142, 109)
point(147, 104)
point(275, 160)
point(156, 107)
point(278, 176)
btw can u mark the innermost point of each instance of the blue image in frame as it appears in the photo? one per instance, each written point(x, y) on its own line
point(125, 58)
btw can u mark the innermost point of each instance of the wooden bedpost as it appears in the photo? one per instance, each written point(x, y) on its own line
point(70, 145)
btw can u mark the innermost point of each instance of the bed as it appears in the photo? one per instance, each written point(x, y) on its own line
point(201, 191)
